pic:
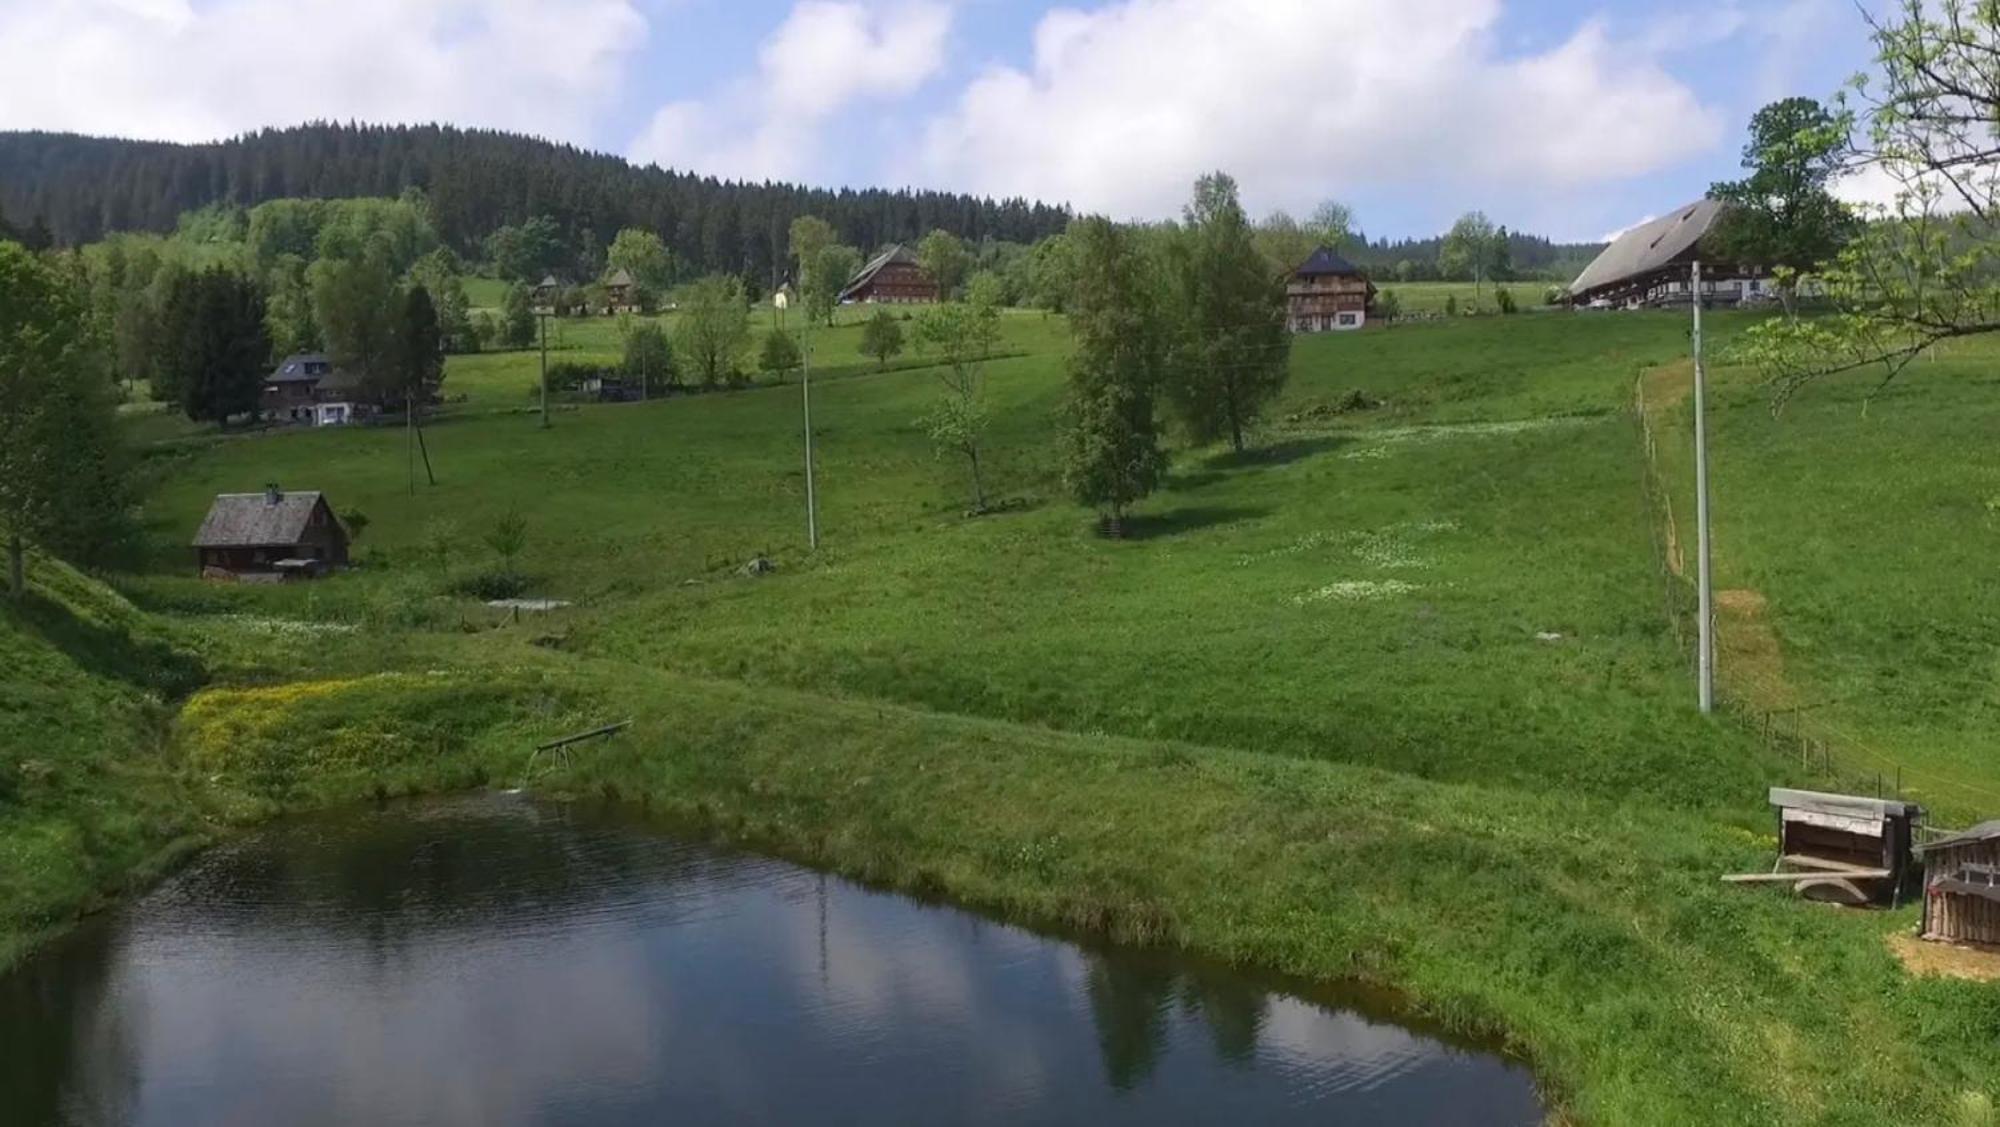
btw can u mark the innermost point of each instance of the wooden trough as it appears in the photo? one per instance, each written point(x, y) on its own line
point(1842, 848)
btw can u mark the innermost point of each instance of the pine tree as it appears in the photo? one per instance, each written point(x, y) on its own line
point(62, 485)
point(216, 347)
point(1111, 447)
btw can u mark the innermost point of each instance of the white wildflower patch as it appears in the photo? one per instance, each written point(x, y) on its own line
point(1390, 548)
point(287, 627)
point(1356, 591)
point(1381, 443)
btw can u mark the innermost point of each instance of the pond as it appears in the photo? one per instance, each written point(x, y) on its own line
point(494, 960)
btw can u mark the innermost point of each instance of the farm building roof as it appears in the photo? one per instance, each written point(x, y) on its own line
point(272, 518)
point(315, 368)
point(898, 254)
point(1651, 246)
point(1983, 832)
point(1325, 262)
point(619, 277)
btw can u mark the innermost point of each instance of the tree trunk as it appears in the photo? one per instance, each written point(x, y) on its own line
point(17, 567)
point(978, 489)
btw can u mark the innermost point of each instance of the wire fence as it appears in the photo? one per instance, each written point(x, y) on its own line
point(1809, 735)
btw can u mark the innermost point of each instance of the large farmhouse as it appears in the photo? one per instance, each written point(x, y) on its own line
point(306, 388)
point(269, 537)
point(1653, 265)
point(1327, 293)
point(894, 276)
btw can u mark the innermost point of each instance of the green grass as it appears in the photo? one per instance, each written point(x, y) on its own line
point(1868, 518)
point(1392, 695)
point(1430, 297)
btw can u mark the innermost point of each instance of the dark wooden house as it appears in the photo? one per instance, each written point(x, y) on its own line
point(1327, 293)
point(546, 294)
point(307, 388)
point(621, 292)
point(1652, 265)
point(894, 276)
point(1842, 847)
point(1962, 886)
point(270, 536)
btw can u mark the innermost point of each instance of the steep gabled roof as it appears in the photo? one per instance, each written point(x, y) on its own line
point(1649, 247)
point(619, 277)
point(895, 255)
point(1325, 263)
point(257, 520)
point(1983, 832)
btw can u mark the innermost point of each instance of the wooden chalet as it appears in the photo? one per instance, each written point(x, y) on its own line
point(892, 277)
point(307, 389)
point(269, 537)
point(546, 293)
point(1841, 847)
point(1327, 293)
point(1962, 886)
point(1652, 265)
point(621, 292)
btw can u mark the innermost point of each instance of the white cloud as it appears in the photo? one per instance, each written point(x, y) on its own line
point(827, 55)
point(171, 70)
point(1123, 106)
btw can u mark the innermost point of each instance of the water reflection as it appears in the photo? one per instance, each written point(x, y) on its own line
point(492, 961)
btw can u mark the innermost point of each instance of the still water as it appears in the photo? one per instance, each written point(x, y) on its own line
point(492, 960)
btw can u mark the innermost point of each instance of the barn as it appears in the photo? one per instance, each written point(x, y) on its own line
point(1652, 265)
point(269, 537)
point(1962, 886)
point(1327, 293)
point(892, 277)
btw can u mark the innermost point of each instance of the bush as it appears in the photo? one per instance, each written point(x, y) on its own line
point(569, 375)
point(1504, 298)
point(488, 584)
point(1388, 306)
point(1451, 305)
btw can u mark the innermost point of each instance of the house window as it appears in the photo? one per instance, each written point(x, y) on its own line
point(1349, 320)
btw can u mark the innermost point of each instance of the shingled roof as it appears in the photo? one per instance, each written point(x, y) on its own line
point(1983, 832)
point(271, 519)
point(895, 254)
point(1649, 247)
point(619, 277)
point(1324, 263)
point(315, 368)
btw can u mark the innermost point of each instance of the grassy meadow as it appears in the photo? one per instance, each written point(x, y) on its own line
point(1395, 694)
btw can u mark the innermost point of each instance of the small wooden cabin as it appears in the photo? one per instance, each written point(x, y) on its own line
point(546, 294)
point(1962, 886)
point(269, 537)
point(1842, 847)
point(894, 276)
point(1327, 293)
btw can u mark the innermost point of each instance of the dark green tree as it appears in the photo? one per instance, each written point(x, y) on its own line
point(649, 360)
point(62, 481)
point(945, 259)
point(215, 346)
point(517, 317)
point(419, 348)
point(359, 311)
point(882, 338)
point(1111, 446)
point(1233, 354)
point(526, 252)
point(779, 355)
point(713, 330)
point(1785, 214)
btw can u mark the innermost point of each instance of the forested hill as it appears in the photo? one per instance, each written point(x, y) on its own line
point(78, 188)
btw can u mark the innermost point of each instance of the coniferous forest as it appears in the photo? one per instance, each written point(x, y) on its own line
point(72, 189)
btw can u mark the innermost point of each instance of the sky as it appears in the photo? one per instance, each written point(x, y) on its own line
point(1570, 118)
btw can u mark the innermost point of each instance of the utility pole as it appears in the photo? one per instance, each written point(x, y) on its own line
point(805, 391)
point(545, 371)
point(1705, 595)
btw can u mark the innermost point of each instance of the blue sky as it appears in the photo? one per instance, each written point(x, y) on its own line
point(1568, 117)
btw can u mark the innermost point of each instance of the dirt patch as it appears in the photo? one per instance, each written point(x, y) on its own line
point(1971, 962)
point(1748, 648)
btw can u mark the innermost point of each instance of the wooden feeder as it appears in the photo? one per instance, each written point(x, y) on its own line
point(1962, 886)
point(1841, 847)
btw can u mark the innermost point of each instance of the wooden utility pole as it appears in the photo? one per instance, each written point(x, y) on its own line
point(545, 371)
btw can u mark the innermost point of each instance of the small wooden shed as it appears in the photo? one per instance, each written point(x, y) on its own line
point(1842, 847)
point(1962, 886)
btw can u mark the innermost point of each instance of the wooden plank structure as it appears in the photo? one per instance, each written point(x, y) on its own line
point(1962, 886)
point(1840, 847)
